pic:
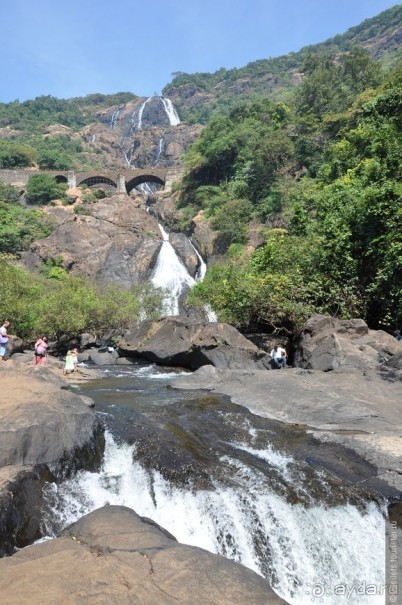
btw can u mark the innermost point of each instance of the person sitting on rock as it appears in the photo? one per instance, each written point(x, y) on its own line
point(41, 351)
point(69, 365)
point(278, 357)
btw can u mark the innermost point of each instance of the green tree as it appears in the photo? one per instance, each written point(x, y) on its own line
point(14, 155)
point(42, 188)
point(20, 227)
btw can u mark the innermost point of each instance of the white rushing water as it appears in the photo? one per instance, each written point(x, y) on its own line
point(171, 275)
point(114, 117)
point(170, 111)
point(314, 550)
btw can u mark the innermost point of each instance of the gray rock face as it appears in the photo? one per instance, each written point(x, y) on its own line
point(179, 341)
point(45, 431)
point(328, 344)
point(41, 423)
point(114, 556)
point(102, 358)
point(118, 242)
point(185, 252)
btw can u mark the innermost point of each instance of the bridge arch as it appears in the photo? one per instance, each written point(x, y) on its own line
point(143, 178)
point(60, 178)
point(91, 181)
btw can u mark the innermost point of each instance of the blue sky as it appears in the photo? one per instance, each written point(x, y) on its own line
point(76, 47)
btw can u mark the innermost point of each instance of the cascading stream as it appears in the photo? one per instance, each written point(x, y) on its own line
point(257, 508)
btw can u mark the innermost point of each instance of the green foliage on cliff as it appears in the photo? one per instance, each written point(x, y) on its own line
point(43, 188)
point(339, 246)
point(55, 307)
point(34, 115)
point(14, 155)
point(31, 139)
point(19, 227)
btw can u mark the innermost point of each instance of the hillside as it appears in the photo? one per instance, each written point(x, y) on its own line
point(199, 96)
point(99, 131)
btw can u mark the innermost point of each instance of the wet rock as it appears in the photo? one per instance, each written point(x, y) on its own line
point(21, 500)
point(184, 342)
point(114, 556)
point(185, 252)
point(361, 411)
point(42, 425)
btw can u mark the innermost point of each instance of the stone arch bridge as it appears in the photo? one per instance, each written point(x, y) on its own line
point(122, 180)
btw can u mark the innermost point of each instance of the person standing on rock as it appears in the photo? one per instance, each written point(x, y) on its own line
point(41, 351)
point(278, 356)
point(69, 365)
point(3, 340)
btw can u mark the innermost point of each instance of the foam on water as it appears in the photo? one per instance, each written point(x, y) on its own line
point(301, 550)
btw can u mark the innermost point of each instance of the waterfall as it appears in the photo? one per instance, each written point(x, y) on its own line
point(171, 275)
point(303, 551)
point(160, 149)
point(140, 112)
point(202, 269)
point(171, 112)
point(114, 116)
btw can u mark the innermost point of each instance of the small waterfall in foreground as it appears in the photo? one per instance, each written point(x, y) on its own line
point(304, 551)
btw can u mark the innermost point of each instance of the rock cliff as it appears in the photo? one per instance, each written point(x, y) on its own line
point(117, 240)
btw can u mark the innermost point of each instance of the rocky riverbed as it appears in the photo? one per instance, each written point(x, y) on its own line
point(345, 393)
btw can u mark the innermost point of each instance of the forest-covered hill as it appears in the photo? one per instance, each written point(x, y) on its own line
point(199, 96)
point(303, 194)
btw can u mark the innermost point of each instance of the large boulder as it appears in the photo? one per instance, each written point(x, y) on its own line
point(41, 423)
point(185, 342)
point(45, 432)
point(114, 556)
point(327, 343)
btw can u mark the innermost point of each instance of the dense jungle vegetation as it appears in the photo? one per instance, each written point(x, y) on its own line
point(321, 175)
point(62, 306)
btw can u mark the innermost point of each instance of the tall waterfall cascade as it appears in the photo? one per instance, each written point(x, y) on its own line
point(172, 275)
point(153, 112)
point(167, 105)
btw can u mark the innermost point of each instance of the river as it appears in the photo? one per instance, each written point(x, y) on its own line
point(218, 477)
